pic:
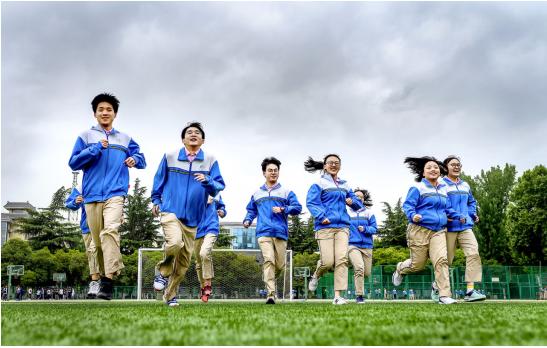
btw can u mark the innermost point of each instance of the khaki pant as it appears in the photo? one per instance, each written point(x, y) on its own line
point(333, 250)
point(424, 243)
point(273, 252)
point(467, 241)
point(203, 249)
point(91, 253)
point(178, 247)
point(361, 259)
point(104, 220)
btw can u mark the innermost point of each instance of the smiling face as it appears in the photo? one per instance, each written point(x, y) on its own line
point(271, 173)
point(332, 165)
point(454, 168)
point(193, 139)
point(105, 115)
point(432, 171)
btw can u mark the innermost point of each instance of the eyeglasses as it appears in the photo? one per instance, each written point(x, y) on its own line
point(455, 165)
point(334, 164)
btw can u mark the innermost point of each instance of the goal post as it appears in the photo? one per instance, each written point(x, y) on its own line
point(237, 275)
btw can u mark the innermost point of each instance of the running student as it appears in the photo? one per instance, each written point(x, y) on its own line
point(105, 155)
point(74, 202)
point(326, 202)
point(206, 236)
point(362, 228)
point(183, 181)
point(272, 204)
point(463, 202)
point(427, 208)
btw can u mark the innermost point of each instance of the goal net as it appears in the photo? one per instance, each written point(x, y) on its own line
point(238, 275)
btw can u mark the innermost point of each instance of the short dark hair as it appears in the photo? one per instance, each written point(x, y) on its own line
point(105, 97)
point(270, 160)
point(195, 125)
point(450, 158)
point(312, 165)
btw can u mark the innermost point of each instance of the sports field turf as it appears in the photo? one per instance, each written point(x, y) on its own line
point(254, 323)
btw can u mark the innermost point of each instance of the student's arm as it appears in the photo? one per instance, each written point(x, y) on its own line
point(213, 183)
point(294, 207)
point(159, 181)
point(372, 226)
point(220, 206)
point(134, 151)
point(70, 202)
point(252, 212)
point(83, 154)
point(411, 201)
point(314, 204)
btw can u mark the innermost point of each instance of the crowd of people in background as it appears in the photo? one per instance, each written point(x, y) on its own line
point(41, 293)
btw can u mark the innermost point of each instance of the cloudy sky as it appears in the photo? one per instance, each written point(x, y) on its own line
point(373, 82)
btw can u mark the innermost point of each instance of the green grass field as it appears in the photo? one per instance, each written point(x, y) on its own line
point(254, 323)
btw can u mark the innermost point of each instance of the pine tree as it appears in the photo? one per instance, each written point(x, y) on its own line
point(48, 228)
point(139, 229)
point(301, 239)
point(393, 230)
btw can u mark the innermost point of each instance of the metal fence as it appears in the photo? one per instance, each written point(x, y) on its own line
point(498, 282)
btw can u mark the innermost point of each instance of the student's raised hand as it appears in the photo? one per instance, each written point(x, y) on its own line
point(349, 201)
point(246, 224)
point(278, 210)
point(417, 218)
point(220, 213)
point(325, 221)
point(130, 162)
point(462, 220)
point(104, 143)
point(361, 228)
point(476, 218)
point(79, 199)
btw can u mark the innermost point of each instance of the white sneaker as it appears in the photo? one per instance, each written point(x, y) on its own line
point(446, 300)
point(313, 283)
point(93, 289)
point(339, 301)
point(397, 278)
point(434, 292)
point(160, 282)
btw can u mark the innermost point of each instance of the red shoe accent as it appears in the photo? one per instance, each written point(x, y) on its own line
point(207, 290)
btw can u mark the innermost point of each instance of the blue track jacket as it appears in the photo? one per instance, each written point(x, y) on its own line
point(463, 202)
point(270, 224)
point(327, 199)
point(363, 217)
point(105, 173)
point(177, 191)
point(71, 204)
point(431, 203)
point(209, 222)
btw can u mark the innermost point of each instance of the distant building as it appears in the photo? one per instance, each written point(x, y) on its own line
point(16, 210)
point(245, 238)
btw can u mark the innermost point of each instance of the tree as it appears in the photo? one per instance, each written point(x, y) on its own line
point(58, 200)
point(526, 219)
point(393, 230)
point(47, 229)
point(224, 239)
point(139, 229)
point(301, 235)
point(491, 190)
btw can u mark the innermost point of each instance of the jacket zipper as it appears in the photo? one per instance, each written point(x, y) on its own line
point(436, 210)
point(106, 166)
point(187, 185)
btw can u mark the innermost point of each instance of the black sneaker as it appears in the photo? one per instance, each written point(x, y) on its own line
point(270, 300)
point(105, 291)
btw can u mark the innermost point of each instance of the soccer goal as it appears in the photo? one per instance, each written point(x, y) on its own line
point(238, 275)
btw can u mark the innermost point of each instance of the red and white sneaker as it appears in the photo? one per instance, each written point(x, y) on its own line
point(205, 293)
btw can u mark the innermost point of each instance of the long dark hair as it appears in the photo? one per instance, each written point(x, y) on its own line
point(417, 164)
point(367, 199)
point(311, 166)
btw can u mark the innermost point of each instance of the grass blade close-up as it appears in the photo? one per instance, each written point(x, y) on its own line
point(253, 323)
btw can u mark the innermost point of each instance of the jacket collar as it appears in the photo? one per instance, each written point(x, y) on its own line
point(428, 184)
point(450, 182)
point(97, 127)
point(329, 178)
point(200, 156)
point(275, 187)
